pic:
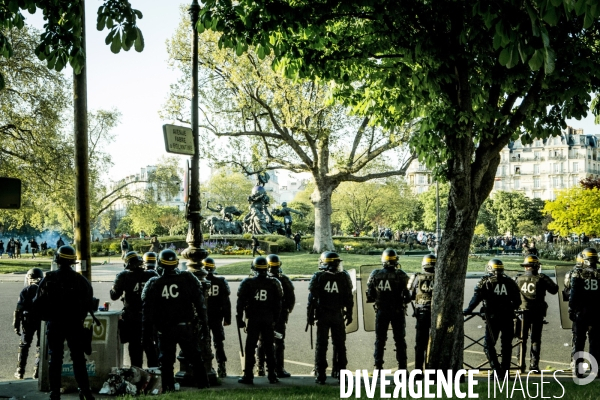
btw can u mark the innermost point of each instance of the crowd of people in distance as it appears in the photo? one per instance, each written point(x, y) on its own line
point(14, 247)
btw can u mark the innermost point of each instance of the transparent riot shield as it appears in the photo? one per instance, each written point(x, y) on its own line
point(563, 298)
point(353, 327)
point(368, 310)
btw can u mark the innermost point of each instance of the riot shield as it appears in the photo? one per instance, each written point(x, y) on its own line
point(563, 301)
point(353, 327)
point(368, 310)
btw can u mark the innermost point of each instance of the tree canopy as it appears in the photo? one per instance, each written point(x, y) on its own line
point(475, 74)
point(61, 42)
point(575, 210)
point(269, 122)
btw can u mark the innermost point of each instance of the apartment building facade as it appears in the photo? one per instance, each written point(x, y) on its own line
point(538, 170)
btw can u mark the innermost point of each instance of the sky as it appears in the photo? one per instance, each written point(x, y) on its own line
point(137, 85)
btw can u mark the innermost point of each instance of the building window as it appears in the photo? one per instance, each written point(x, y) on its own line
point(497, 185)
point(575, 181)
point(536, 169)
point(517, 170)
point(556, 168)
point(575, 167)
point(504, 170)
point(536, 183)
point(555, 181)
point(421, 179)
point(537, 154)
point(517, 183)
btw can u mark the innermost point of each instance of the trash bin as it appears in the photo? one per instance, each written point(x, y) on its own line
point(107, 352)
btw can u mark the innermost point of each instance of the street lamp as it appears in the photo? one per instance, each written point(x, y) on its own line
point(194, 253)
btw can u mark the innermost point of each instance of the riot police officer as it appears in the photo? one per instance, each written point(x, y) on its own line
point(501, 298)
point(170, 305)
point(260, 298)
point(420, 286)
point(150, 260)
point(578, 266)
point(583, 300)
point(64, 299)
point(128, 286)
point(219, 312)
point(289, 300)
point(330, 302)
point(533, 286)
point(27, 323)
point(387, 288)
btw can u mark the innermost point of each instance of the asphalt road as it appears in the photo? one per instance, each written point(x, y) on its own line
point(299, 357)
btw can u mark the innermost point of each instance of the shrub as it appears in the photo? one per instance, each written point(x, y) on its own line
point(247, 236)
point(96, 247)
point(286, 244)
point(115, 246)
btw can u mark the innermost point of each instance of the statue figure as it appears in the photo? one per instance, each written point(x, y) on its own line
point(227, 213)
point(285, 212)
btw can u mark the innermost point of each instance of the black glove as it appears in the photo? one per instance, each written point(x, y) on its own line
point(17, 322)
point(466, 311)
point(348, 317)
point(572, 315)
point(17, 332)
point(240, 323)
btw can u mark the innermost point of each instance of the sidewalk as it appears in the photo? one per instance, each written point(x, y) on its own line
point(28, 388)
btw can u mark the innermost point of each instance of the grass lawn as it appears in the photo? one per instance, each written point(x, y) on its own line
point(9, 266)
point(552, 389)
point(302, 263)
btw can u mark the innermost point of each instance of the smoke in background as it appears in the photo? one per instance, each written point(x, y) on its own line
point(50, 237)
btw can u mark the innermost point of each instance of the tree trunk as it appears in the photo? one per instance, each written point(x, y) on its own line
point(470, 184)
point(321, 199)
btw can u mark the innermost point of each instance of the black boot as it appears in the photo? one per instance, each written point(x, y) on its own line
point(279, 357)
point(321, 377)
point(246, 380)
point(221, 370)
point(86, 394)
point(273, 377)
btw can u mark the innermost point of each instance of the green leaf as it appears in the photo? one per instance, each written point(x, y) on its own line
point(580, 7)
point(557, 3)
point(239, 49)
point(260, 51)
point(588, 20)
point(138, 14)
point(549, 61)
point(139, 41)
point(504, 56)
point(109, 37)
point(551, 17)
point(537, 60)
point(115, 46)
point(101, 24)
point(109, 22)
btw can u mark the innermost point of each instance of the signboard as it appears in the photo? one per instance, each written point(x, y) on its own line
point(178, 139)
point(10, 195)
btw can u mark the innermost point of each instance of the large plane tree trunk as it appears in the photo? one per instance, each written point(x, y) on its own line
point(471, 181)
point(321, 199)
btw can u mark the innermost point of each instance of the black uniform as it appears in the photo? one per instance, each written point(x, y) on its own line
point(583, 306)
point(34, 247)
point(203, 335)
point(330, 296)
point(288, 302)
point(501, 298)
point(387, 288)
point(421, 291)
point(260, 298)
point(171, 303)
point(533, 289)
point(219, 312)
point(124, 247)
point(28, 323)
point(130, 284)
point(64, 299)
point(255, 246)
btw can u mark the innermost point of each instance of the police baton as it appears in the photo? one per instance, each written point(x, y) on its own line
point(311, 334)
point(414, 310)
point(240, 338)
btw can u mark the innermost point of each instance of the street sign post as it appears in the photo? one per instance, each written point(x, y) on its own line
point(178, 139)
